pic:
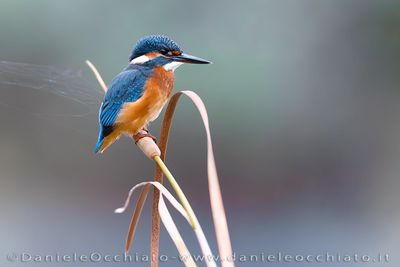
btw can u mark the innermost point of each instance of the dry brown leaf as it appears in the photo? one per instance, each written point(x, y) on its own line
point(166, 218)
point(135, 217)
point(217, 207)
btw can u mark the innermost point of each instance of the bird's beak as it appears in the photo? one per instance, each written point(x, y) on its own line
point(185, 58)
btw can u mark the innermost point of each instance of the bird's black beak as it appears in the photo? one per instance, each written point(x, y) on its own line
point(185, 58)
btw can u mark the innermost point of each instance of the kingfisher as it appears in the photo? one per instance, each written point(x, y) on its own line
point(136, 96)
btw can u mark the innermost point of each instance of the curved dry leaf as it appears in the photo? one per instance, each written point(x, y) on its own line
point(217, 206)
point(135, 217)
point(166, 218)
point(174, 233)
point(163, 190)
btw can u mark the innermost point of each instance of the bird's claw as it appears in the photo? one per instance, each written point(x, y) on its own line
point(144, 133)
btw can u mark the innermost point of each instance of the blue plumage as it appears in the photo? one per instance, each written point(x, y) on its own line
point(126, 87)
point(163, 56)
point(153, 43)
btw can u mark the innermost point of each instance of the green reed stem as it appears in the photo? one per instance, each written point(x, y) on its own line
point(181, 196)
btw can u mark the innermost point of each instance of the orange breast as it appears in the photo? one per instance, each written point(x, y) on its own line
point(136, 115)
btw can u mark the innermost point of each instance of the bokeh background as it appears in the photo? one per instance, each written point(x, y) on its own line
point(303, 99)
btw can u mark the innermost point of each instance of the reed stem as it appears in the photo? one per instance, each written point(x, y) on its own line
point(181, 196)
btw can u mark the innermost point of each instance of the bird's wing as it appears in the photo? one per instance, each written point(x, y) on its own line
point(126, 87)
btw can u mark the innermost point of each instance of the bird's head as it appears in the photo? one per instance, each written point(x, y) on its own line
point(160, 50)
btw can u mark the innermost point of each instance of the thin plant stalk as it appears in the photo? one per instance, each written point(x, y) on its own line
point(205, 247)
point(166, 218)
point(97, 75)
point(181, 196)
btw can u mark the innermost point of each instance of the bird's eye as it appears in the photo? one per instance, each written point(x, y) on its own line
point(169, 53)
point(164, 52)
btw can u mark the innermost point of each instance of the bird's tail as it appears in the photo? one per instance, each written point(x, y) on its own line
point(98, 144)
point(106, 138)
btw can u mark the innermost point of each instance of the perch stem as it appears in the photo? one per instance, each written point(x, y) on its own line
point(181, 196)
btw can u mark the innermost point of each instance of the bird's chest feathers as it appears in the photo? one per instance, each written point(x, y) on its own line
point(160, 83)
point(157, 91)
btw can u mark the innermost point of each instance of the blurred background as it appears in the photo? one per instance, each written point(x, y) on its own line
point(303, 99)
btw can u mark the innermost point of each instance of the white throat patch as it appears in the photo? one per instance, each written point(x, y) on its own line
point(172, 66)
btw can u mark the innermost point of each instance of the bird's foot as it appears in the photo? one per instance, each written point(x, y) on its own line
point(144, 133)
